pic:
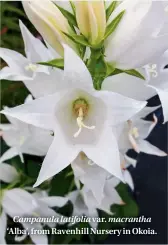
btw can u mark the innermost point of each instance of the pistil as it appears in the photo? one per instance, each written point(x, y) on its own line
point(80, 123)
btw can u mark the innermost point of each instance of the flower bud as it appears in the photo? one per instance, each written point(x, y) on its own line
point(50, 23)
point(91, 19)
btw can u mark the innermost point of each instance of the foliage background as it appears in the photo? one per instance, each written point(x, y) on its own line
point(150, 175)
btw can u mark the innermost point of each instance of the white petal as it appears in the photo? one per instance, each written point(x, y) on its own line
point(39, 112)
point(37, 239)
point(76, 72)
point(159, 44)
point(10, 153)
point(38, 142)
point(45, 84)
point(130, 160)
point(3, 226)
point(59, 156)
point(6, 126)
point(144, 128)
point(14, 60)
point(129, 86)
point(148, 148)
point(148, 20)
point(10, 73)
point(120, 108)
point(7, 173)
point(86, 173)
point(105, 153)
point(163, 95)
point(54, 201)
point(34, 48)
point(146, 111)
point(18, 202)
point(128, 179)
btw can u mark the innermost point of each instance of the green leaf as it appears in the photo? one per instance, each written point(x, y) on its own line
point(134, 73)
point(110, 9)
point(113, 25)
point(58, 63)
point(79, 39)
point(70, 17)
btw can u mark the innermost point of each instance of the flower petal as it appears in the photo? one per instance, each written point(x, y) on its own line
point(86, 173)
point(9, 73)
point(34, 48)
point(120, 108)
point(59, 156)
point(105, 153)
point(39, 112)
point(14, 60)
point(8, 173)
point(38, 143)
point(10, 153)
point(148, 148)
point(54, 201)
point(163, 95)
point(18, 202)
point(129, 86)
point(44, 84)
point(76, 72)
point(128, 179)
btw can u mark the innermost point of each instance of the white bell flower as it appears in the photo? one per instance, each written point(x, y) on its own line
point(90, 174)
point(141, 26)
point(84, 202)
point(134, 136)
point(23, 138)
point(40, 80)
point(81, 118)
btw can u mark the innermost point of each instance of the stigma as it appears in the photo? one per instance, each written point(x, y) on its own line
point(152, 69)
point(80, 123)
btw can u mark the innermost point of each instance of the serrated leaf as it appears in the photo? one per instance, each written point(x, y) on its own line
point(78, 39)
point(70, 17)
point(113, 25)
point(134, 73)
point(110, 9)
point(58, 63)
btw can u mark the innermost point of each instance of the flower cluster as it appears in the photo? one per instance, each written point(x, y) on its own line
point(89, 79)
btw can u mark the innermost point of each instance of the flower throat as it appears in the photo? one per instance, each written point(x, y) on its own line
point(80, 109)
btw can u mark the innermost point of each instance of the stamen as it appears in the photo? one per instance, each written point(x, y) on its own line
point(31, 67)
point(135, 132)
point(81, 124)
point(132, 135)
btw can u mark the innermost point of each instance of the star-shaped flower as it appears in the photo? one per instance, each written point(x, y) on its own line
point(82, 120)
point(35, 77)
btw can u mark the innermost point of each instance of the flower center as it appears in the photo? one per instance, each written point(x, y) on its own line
point(31, 67)
point(80, 109)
